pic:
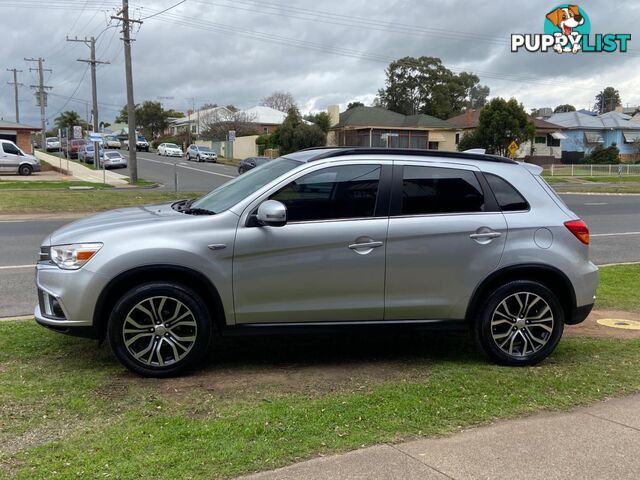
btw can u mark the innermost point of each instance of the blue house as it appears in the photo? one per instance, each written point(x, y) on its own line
point(583, 132)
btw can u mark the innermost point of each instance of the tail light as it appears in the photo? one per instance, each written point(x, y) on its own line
point(579, 229)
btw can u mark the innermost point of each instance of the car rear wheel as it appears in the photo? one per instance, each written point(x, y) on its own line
point(521, 323)
point(160, 329)
point(25, 170)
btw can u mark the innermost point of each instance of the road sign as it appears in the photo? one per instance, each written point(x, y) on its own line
point(77, 132)
point(95, 138)
point(232, 135)
point(513, 148)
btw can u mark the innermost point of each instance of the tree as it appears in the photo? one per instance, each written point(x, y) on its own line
point(208, 106)
point(294, 134)
point(282, 101)
point(321, 119)
point(354, 105)
point(123, 116)
point(566, 107)
point(501, 122)
point(216, 125)
point(603, 155)
point(152, 118)
point(68, 120)
point(231, 107)
point(607, 100)
point(425, 85)
point(173, 114)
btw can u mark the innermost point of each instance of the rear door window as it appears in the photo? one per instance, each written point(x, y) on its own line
point(434, 190)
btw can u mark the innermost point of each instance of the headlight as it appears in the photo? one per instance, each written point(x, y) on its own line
point(74, 256)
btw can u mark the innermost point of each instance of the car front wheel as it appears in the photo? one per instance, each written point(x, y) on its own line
point(160, 329)
point(521, 323)
point(25, 170)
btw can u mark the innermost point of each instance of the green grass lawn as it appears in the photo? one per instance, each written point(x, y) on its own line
point(68, 410)
point(39, 201)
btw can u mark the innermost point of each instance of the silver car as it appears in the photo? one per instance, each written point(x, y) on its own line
point(200, 153)
point(328, 239)
point(14, 160)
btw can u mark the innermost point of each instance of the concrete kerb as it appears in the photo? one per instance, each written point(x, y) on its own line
point(81, 172)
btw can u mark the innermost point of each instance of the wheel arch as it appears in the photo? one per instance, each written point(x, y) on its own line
point(547, 275)
point(172, 273)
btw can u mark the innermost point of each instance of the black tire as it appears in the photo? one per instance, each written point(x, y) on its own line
point(530, 339)
point(193, 332)
point(198, 159)
point(25, 170)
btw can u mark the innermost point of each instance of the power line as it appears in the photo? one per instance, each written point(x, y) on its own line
point(163, 11)
point(41, 92)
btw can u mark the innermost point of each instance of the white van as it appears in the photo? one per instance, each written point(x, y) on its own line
point(14, 160)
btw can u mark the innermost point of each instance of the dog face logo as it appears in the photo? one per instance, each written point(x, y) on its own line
point(565, 19)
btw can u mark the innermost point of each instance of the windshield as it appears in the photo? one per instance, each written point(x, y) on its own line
point(203, 149)
point(170, 145)
point(141, 138)
point(113, 155)
point(52, 139)
point(227, 195)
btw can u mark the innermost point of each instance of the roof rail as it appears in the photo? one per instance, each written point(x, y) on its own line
point(328, 152)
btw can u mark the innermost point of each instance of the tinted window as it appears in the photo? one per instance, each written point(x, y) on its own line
point(348, 191)
point(10, 148)
point(429, 190)
point(508, 197)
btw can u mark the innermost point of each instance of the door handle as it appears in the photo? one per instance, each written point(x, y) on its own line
point(372, 244)
point(485, 235)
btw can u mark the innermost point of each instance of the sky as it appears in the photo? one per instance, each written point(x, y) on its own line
point(331, 52)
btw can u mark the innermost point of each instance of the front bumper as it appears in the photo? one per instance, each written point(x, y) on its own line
point(66, 298)
point(36, 167)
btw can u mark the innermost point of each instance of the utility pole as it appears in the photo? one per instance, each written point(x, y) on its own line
point(41, 94)
point(91, 43)
point(15, 86)
point(131, 106)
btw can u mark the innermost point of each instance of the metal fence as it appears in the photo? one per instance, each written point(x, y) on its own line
point(579, 170)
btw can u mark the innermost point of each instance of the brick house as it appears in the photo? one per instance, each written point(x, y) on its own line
point(19, 134)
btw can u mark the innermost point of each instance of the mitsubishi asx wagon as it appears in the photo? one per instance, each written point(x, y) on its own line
point(328, 239)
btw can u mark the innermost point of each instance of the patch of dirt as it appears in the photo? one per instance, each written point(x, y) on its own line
point(590, 327)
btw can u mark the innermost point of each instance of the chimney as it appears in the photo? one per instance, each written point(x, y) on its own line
point(334, 114)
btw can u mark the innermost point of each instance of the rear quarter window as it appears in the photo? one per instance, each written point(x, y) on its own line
point(508, 198)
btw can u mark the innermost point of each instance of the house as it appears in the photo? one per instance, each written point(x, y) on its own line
point(196, 121)
point(378, 127)
point(19, 134)
point(584, 132)
point(545, 147)
point(266, 119)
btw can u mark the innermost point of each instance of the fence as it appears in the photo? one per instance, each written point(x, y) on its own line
point(578, 170)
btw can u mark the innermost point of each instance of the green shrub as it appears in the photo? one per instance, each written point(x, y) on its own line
point(603, 156)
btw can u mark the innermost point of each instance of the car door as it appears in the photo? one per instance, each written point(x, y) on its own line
point(327, 263)
point(9, 157)
point(446, 234)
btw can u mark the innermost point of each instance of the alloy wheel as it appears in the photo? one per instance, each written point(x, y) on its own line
point(522, 324)
point(159, 331)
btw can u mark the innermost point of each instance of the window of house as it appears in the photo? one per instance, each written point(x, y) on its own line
point(348, 191)
point(506, 195)
point(431, 190)
point(265, 130)
point(552, 142)
point(540, 139)
point(457, 138)
point(433, 146)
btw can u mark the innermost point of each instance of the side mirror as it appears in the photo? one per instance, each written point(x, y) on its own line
point(272, 213)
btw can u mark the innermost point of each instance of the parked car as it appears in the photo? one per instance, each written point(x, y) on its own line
point(170, 150)
point(200, 153)
point(112, 160)
point(52, 144)
point(251, 162)
point(330, 239)
point(86, 153)
point(141, 144)
point(14, 160)
point(111, 141)
point(72, 147)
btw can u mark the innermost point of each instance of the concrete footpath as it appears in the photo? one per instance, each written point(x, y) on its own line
point(598, 442)
point(84, 173)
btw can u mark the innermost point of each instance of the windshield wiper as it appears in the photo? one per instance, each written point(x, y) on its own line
point(182, 205)
point(197, 211)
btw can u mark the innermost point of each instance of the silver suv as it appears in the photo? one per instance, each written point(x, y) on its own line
point(323, 239)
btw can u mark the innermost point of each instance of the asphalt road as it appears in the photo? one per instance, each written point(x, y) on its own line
point(192, 176)
point(614, 222)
